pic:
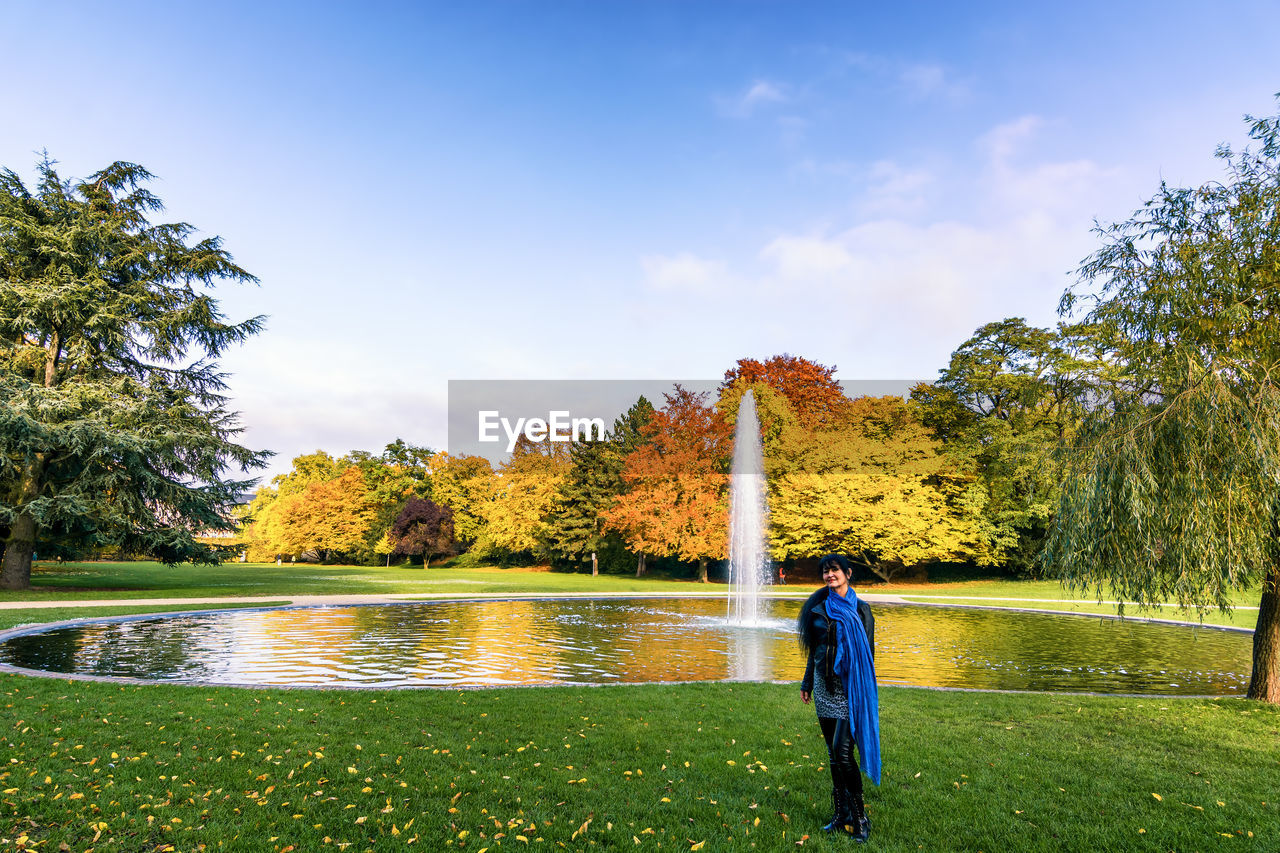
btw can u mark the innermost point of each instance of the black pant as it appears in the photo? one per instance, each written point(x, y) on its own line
point(843, 755)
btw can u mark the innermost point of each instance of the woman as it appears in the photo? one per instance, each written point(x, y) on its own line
point(837, 631)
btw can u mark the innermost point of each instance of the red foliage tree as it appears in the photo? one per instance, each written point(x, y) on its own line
point(423, 527)
point(809, 387)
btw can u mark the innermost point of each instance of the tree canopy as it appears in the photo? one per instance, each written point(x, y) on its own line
point(876, 486)
point(675, 503)
point(1173, 486)
point(114, 426)
point(1010, 394)
point(326, 508)
point(811, 388)
point(576, 526)
point(423, 527)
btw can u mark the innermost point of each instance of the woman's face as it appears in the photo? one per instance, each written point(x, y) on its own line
point(835, 578)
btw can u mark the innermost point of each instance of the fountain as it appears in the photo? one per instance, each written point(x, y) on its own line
point(748, 518)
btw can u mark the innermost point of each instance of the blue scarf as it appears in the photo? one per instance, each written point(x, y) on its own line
point(857, 671)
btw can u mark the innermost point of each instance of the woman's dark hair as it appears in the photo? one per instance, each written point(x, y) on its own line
point(818, 597)
point(802, 622)
point(839, 560)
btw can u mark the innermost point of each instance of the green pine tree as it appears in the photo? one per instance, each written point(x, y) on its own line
point(114, 428)
point(576, 529)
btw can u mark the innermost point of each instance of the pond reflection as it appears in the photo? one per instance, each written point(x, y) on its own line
point(568, 641)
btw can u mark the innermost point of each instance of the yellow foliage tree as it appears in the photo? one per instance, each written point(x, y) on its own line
point(525, 492)
point(873, 485)
point(334, 516)
point(465, 484)
point(264, 538)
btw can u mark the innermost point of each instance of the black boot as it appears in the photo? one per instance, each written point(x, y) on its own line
point(840, 800)
point(860, 824)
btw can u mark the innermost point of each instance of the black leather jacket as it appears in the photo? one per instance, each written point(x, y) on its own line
point(820, 638)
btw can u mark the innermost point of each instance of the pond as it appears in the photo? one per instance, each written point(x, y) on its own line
point(604, 641)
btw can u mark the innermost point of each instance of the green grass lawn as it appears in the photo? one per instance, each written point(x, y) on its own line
point(81, 581)
point(738, 766)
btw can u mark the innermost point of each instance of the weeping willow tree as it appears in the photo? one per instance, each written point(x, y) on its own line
point(1173, 485)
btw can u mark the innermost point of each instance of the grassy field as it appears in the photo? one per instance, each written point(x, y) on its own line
point(80, 581)
point(726, 766)
point(112, 767)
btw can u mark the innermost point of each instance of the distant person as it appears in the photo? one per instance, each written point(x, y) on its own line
point(837, 631)
point(782, 576)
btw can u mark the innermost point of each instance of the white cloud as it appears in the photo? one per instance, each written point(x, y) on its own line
point(895, 190)
point(759, 93)
point(684, 271)
point(1014, 231)
point(1071, 189)
point(1003, 141)
point(808, 258)
point(931, 80)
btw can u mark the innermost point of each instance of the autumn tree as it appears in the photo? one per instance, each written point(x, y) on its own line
point(400, 472)
point(810, 388)
point(332, 517)
point(423, 528)
point(114, 426)
point(676, 504)
point(299, 512)
point(525, 491)
point(1173, 484)
point(876, 486)
point(465, 484)
point(263, 536)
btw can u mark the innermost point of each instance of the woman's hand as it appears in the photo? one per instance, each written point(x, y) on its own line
point(804, 696)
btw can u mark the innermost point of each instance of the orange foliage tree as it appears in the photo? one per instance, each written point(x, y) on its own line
point(814, 394)
point(675, 504)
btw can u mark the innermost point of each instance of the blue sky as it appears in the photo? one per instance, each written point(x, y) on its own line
point(625, 190)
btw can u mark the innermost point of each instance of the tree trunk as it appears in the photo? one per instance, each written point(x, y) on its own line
point(702, 569)
point(595, 565)
point(1264, 685)
point(640, 565)
point(15, 572)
